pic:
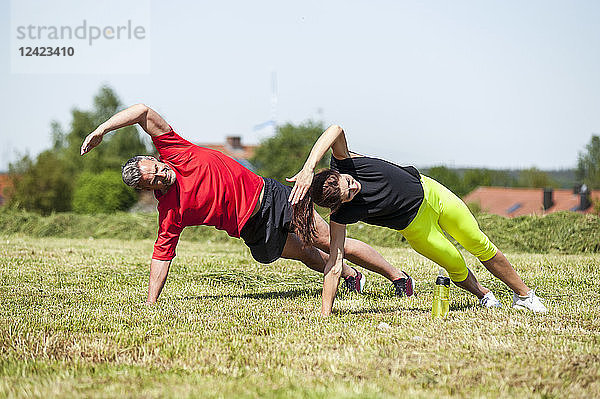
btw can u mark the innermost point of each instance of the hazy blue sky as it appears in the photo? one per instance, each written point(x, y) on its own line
point(462, 83)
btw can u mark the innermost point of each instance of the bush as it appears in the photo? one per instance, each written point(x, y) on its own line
point(560, 232)
point(284, 154)
point(119, 225)
point(102, 193)
point(43, 185)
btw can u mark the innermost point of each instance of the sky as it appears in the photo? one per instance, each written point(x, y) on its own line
point(497, 84)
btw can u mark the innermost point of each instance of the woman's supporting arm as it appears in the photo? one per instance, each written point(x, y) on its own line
point(333, 267)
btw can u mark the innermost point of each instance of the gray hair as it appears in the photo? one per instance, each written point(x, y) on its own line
point(131, 172)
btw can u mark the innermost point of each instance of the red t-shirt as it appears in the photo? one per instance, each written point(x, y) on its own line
point(211, 189)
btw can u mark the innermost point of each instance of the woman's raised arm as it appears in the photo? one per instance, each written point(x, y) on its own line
point(334, 138)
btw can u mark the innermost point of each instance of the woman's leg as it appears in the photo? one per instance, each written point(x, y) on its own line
point(441, 251)
point(500, 267)
point(426, 237)
point(472, 285)
point(458, 221)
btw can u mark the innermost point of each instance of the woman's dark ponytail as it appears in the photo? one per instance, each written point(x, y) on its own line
point(324, 191)
point(304, 223)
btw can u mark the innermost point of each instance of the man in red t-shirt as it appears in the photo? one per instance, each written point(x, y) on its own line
point(199, 186)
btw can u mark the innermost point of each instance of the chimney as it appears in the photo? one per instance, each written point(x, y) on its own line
point(548, 202)
point(234, 142)
point(584, 198)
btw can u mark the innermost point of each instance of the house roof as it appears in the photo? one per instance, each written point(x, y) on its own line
point(511, 202)
point(245, 152)
point(4, 183)
point(235, 149)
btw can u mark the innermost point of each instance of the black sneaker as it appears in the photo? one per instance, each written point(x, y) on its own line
point(404, 286)
point(355, 283)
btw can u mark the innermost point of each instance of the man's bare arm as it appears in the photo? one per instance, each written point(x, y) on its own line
point(159, 269)
point(146, 117)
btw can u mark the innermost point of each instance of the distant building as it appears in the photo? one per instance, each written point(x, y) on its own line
point(512, 202)
point(4, 184)
point(234, 148)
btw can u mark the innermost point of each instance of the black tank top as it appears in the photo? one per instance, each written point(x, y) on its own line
point(390, 195)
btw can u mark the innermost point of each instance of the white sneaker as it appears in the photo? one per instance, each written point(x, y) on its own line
point(490, 301)
point(530, 302)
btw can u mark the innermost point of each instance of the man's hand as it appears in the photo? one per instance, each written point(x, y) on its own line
point(92, 140)
point(303, 180)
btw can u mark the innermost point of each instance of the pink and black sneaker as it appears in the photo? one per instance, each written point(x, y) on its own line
point(355, 283)
point(404, 286)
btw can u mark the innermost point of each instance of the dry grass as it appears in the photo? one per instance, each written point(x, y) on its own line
point(73, 324)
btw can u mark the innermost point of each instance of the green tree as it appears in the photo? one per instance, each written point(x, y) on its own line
point(474, 178)
point(588, 164)
point(46, 184)
point(284, 154)
point(102, 193)
point(116, 148)
point(502, 178)
point(533, 177)
point(447, 177)
point(43, 185)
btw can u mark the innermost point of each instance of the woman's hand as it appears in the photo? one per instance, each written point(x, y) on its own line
point(303, 180)
point(92, 140)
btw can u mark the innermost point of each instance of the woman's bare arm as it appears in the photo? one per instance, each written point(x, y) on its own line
point(334, 138)
point(333, 267)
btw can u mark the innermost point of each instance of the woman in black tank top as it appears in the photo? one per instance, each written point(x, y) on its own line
point(358, 188)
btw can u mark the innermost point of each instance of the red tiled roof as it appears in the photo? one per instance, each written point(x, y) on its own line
point(524, 201)
point(4, 183)
point(245, 152)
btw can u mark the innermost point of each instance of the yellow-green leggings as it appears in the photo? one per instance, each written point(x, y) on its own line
point(442, 210)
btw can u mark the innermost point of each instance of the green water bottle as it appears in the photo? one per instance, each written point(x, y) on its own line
point(441, 297)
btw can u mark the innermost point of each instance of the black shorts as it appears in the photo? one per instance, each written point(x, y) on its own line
point(266, 232)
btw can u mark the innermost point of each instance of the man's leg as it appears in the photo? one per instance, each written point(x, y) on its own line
point(310, 256)
point(356, 252)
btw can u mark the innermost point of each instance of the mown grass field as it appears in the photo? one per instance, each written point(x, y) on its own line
point(73, 324)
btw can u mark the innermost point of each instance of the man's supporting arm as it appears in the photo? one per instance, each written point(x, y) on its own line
point(146, 117)
point(159, 269)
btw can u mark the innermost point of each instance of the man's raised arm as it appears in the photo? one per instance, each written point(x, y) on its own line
point(146, 117)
